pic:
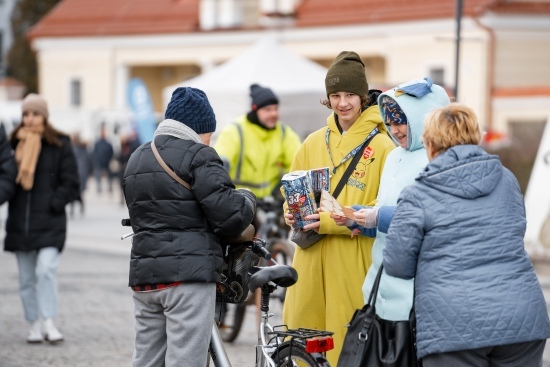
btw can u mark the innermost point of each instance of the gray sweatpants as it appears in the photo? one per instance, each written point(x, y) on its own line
point(174, 325)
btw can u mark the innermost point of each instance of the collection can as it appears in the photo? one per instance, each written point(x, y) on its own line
point(299, 197)
point(320, 179)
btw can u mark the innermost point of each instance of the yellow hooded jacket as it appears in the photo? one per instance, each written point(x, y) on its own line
point(332, 271)
point(258, 158)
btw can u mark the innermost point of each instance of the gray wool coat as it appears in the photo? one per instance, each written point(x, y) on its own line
point(459, 231)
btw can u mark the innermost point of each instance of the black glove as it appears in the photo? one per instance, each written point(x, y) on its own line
point(249, 195)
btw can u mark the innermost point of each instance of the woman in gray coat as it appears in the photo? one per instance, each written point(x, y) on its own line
point(459, 231)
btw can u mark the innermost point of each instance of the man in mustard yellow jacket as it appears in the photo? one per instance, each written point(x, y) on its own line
point(331, 272)
point(258, 149)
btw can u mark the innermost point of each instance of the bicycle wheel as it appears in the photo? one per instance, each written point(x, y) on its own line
point(232, 321)
point(293, 354)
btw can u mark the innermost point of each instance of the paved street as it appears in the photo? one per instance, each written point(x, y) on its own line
point(95, 303)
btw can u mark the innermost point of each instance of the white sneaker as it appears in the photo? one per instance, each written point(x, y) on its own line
point(51, 333)
point(35, 333)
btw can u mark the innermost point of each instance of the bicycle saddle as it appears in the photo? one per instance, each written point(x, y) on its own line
point(281, 275)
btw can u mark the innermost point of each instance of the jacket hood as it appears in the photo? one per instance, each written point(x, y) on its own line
point(466, 171)
point(416, 98)
point(368, 120)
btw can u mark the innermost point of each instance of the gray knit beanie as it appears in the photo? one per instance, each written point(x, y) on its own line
point(35, 102)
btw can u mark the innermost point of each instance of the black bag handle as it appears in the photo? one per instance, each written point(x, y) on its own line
point(367, 321)
point(351, 167)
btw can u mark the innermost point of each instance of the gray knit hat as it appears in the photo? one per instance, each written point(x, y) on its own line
point(190, 106)
point(35, 102)
point(347, 74)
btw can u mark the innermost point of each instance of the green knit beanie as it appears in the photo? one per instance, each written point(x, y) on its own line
point(347, 74)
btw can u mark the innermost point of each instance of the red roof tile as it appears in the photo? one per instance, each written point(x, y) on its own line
point(118, 17)
point(128, 17)
point(341, 12)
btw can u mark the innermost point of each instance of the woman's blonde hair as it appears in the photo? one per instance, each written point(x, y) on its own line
point(454, 124)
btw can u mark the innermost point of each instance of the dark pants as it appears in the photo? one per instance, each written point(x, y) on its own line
point(511, 355)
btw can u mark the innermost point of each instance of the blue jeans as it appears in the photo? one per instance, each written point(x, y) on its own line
point(38, 282)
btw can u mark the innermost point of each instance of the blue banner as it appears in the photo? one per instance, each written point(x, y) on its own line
point(141, 105)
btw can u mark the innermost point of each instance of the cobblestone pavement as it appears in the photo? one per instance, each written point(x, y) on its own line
point(96, 307)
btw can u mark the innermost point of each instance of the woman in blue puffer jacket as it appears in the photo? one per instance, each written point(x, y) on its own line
point(459, 231)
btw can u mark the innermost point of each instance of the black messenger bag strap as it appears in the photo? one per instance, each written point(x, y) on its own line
point(351, 167)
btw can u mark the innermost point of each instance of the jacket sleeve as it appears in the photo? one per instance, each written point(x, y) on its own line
point(227, 210)
point(228, 145)
point(8, 169)
point(67, 189)
point(385, 216)
point(405, 236)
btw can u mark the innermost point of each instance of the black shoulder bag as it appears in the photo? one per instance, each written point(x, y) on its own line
point(306, 239)
point(372, 341)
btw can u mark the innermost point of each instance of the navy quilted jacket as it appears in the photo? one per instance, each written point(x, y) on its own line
point(459, 230)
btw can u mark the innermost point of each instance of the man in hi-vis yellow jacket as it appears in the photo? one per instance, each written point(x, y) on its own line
point(258, 149)
point(331, 272)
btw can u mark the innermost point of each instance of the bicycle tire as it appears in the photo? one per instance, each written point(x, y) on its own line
point(292, 353)
point(232, 321)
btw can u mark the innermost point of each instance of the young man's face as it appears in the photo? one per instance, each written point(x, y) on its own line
point(346, 105)
point(399, 132)
point(268, 115)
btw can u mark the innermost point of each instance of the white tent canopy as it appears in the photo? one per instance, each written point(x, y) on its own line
point(297, 81)
point(537, 200)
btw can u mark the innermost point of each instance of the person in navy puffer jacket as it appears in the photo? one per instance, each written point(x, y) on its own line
point(459, 231)
point(176, 256)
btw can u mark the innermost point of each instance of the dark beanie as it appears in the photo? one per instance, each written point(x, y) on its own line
point(262, 97)
point(347, 74)
point(190, 106)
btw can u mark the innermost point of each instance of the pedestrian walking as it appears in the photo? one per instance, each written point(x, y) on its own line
point(36, 228)
point(8, 169)
point(103, 154)
point(83, 163)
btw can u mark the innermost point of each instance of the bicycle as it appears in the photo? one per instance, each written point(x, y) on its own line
point(269, 215)
point(277, 346)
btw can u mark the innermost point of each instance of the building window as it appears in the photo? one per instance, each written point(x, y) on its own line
point(438, 75)
point(76, 92)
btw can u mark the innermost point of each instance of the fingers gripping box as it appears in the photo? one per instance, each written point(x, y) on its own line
point(299, 197)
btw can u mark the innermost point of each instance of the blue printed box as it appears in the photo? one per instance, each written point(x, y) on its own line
point(299, 197)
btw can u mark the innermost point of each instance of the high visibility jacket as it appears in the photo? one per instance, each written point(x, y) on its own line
point(257, 157)
point(331, 272)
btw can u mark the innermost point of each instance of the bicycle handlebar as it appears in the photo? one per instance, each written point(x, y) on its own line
point(258, 247)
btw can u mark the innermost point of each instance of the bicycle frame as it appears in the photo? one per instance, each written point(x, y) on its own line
point(263, 348)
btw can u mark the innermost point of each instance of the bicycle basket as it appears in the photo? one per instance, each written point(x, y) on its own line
point(233, 287)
